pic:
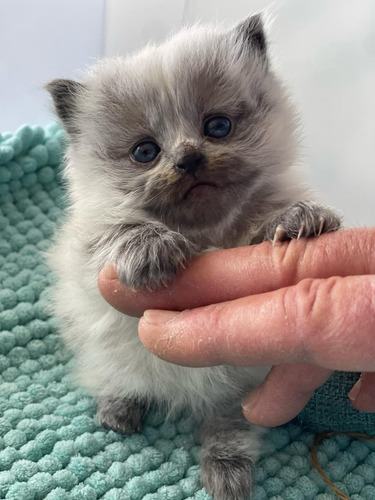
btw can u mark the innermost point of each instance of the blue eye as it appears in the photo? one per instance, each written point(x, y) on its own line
point(146, 151)
point(217, 126)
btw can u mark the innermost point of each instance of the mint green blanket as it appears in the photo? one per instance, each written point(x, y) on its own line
point(50, 444)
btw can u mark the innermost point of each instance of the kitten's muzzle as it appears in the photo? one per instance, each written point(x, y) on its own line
point(190, 163)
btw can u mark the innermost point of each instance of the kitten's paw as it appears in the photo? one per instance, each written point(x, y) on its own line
point(154, 259)
point(124, 416)
point(301, 220)
point(230, 448)
point(227, 477)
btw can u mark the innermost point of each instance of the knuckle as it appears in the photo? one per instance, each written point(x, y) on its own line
point(311, 300)
point(287, 259)
point(307, 306)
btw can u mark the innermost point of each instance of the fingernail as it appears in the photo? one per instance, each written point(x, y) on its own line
point(353, 394)
point(158, 317)
point(110, 271)
point(249, 403)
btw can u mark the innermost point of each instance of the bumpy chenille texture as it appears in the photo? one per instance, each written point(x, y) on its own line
point(50, 444)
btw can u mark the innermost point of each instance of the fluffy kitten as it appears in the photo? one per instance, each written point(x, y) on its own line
point(180, 148)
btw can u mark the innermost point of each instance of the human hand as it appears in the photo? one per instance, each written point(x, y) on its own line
point(307, 307)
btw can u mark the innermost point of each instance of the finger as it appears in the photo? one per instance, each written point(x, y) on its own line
point(229, 274)
point(329, 323)
point(362, 395)
point(283, 394)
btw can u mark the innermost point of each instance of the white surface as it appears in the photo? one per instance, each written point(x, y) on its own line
point(131, 24)
point(41, 40)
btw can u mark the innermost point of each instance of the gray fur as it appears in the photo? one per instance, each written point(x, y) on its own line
point(121, 415)
point(301, 220)
point(251, 31)
point(65, 93)
point(228, 458)
point(150, 219)
point(147, 255)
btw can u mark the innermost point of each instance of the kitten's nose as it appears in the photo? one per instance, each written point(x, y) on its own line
point(190, 163)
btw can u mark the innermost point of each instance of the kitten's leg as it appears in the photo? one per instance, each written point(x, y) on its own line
point(300, 220)
point(125, 416)
point(147, 255)
point(229, 452)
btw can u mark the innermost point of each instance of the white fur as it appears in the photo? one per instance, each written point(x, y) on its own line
point(111, 360)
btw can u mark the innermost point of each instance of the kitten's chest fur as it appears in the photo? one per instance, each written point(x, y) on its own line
point(240, 228)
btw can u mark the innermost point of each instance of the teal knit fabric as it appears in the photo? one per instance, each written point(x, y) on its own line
point(51, 447)
point(330, 408)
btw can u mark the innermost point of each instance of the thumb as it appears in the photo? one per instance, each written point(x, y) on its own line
point(283, 394)
point(362, 394)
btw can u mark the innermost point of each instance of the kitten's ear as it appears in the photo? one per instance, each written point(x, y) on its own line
point(64, 94)
point(251, 32)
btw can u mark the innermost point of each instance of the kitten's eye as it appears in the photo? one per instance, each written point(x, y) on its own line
point(217, 126)
point(146, 151)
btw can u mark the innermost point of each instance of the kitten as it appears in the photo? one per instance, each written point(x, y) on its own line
point(177, 149)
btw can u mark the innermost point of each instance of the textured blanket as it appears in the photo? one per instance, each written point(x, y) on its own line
point(50, 444)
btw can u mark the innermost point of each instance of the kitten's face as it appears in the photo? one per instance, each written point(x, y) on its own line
point(187, 130)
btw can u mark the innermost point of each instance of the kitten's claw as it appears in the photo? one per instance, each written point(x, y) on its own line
point(321, 225)
point(279, 234)
point(301, 231)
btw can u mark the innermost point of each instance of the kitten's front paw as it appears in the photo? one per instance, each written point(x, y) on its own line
point(153, 257)
point(301, 220)
point(124, 416)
